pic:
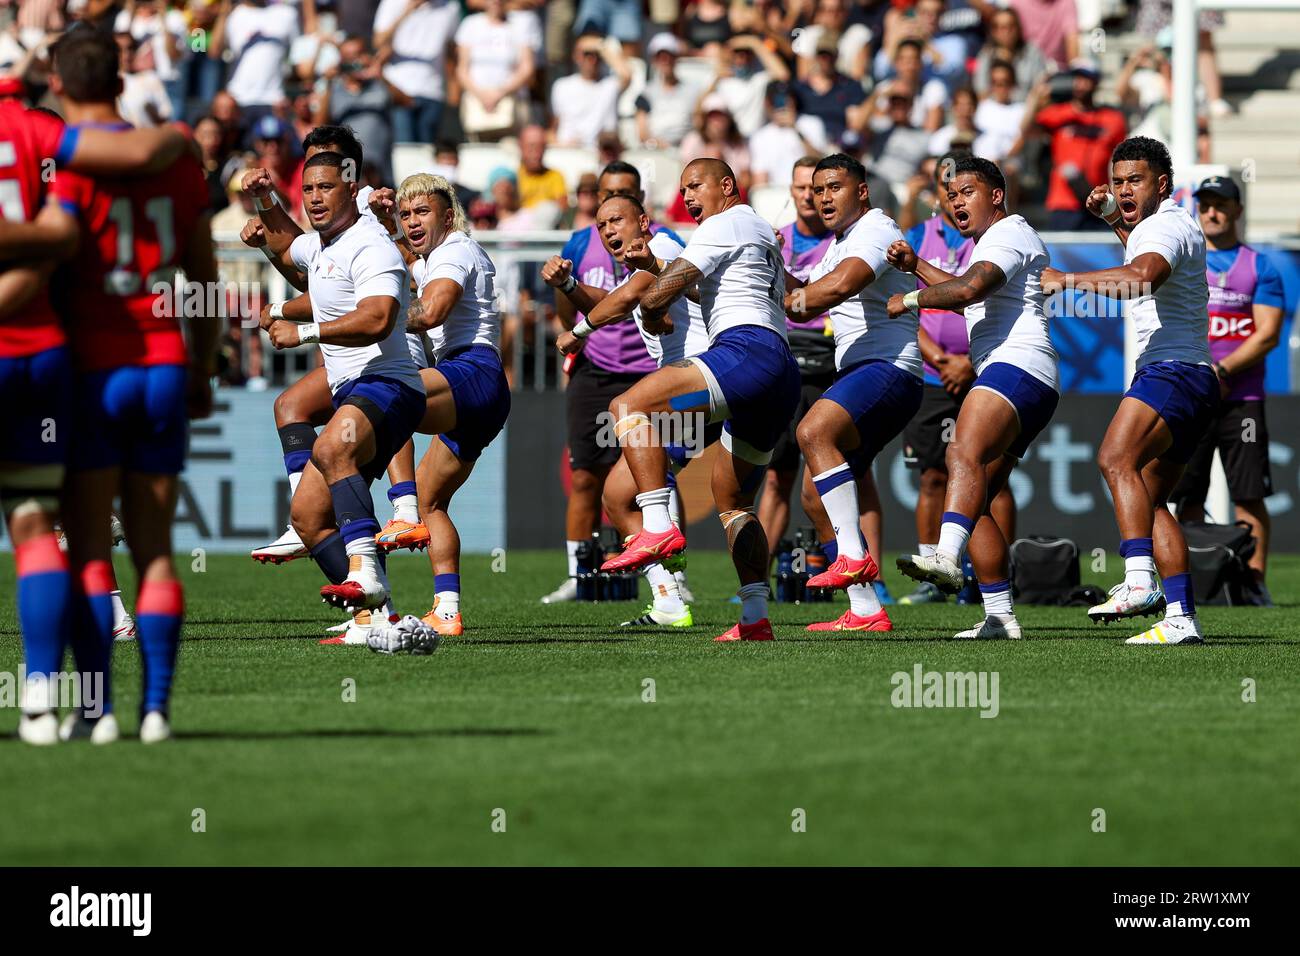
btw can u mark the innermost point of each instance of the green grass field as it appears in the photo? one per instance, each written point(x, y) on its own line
point(538, 711)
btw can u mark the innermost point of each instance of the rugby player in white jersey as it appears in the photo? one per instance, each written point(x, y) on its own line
point(878, 383)
point(305, 405)
point(624, 230)
point(467, 398)
point(746, 379)
point(1015, 390)
point(357, 288)
point(1174, 393)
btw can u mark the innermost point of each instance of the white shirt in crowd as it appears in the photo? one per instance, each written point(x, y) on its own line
point(850, 44)
point(669, 109)
point(1010, 325)
point(418, 65)
point(143, 101)
point(1173, 323)
point(999, 126)
point(773, 148)
point(863, 328)
point(259, 38)
point(494, 48)
point(689, 336)
point(743, 273)
point(361, 262)
point(745, 99)
point(584, 108)
point(474, 319)
point(933, 93)
point(162, 33)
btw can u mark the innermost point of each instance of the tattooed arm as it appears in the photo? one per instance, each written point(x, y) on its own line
point(670, 285)
point(979, 282)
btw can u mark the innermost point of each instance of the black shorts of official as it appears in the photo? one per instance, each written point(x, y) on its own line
point(785, 456)
point(1240, 433)
point(586, 401)
point(924, 444)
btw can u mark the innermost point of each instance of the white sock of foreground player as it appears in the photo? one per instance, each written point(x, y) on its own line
point(954, 532)
point(403, 499)
point(753, 602)
point(997, 601)
point(862, 600)
point(663, 586)
point(654, 510)
point(927, 550)
point(839, 495)
point(572, 548)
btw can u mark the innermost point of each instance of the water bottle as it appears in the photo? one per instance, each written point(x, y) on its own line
point(784, 573)
point(970, 590)
point(587, 580)
point(816, 563)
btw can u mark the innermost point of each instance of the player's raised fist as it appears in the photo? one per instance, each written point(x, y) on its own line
point(1101, 203)
point(253, 234)
point(383, 203)
point(556, 271)
point(257, 182)
point(901, 256)
point(896, 306)
point(637, 254)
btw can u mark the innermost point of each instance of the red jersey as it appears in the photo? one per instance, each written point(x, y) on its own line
point(31, 144)
point(134, 232)
point(1083, 139)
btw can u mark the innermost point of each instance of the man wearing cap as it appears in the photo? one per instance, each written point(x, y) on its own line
point(1083, 137)
point(1246, 302)
point(275, 154)
point(825, 92)
point(664, 108)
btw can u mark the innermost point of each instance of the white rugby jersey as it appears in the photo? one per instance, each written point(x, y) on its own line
point(474, 319)
point(689, 336)
point(863, 328)
point(1010, 325)
point(744, 274)
point(360, 262)
point(1172, 324)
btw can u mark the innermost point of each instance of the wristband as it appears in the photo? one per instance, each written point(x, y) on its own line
point(309, 333)
point(569, 285)
point(912, 299)
point(583, 328)
point(257, 204)
point(276, 311)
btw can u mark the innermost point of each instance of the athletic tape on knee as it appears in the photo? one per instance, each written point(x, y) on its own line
point(734, 522)
point(629, 423)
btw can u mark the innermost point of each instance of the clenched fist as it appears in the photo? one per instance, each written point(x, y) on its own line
point(556, 271)
point(901, 256)
point(253, 234)
point(257, 182)
point(383, 203)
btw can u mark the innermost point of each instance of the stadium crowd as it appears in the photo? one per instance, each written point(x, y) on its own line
point(894, 83)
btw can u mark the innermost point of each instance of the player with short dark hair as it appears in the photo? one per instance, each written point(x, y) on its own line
point(137, 380)
point(1015, 391)
point(1174, 395)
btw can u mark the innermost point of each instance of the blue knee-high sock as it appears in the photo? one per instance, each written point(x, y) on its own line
point(92, 633)
point(353, 508)
point(44, 603)
point(331, 556)
point(832, 549)
point(1179, 597)
point(401, 489)
point(158, 615)
point(296, 440)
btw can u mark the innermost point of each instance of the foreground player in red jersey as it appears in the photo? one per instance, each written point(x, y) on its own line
point(34, 370)
point(135, 379)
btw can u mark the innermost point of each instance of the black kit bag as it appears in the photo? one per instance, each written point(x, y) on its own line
point(1219, 556)
point(1046, 571)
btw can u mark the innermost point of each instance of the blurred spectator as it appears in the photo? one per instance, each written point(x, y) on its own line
point(357, 95)
point(707, 27)
point(353, 18)
point(227, 112)
point(315, 50)
point(831, 18)
point(1144, 88)
point(36, 19)
point(494, 66)
point(960, 132)
point(304, 104)
point(412, 38)
point(666, 105)
point(785, 139)
point(825, 92)
point(161, 33)
point(1007, 42)
point(143, 101)
point(203, 74)
point(238, 209)
point(218, 162)
point(774, 20)
point(275, 154)
point(1155, 16)
point(258, 37)
point(446, 163)
point(744, 70)
point(897, 146)
point(1052, 26)
point(483, 214)
point(585, 104)
point(1000, 116)
point(1083, 137)
point(718, 136)
point(929, 97)
point(583, 213)
point(620, 19)
point(538, 183)
point(943, 54)
point(609, 148)
point(511, 216)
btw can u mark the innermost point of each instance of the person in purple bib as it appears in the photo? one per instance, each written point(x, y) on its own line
point(804, 242)
point(948, 378)
point(1246, 302)
point(613, 358)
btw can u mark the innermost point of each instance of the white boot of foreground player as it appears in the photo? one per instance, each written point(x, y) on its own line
point(993, 628)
